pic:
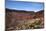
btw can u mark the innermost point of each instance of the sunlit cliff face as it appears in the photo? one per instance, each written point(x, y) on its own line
point(15, 18)
point(20, 15)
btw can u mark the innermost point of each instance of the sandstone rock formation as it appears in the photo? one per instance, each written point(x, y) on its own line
point(21, 18)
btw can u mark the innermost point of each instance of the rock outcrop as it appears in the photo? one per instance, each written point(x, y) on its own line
point(17, 17)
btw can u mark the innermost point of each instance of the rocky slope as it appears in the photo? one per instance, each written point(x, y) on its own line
point(20, 19)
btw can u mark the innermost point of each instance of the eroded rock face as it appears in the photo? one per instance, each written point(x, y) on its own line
point(16, 18)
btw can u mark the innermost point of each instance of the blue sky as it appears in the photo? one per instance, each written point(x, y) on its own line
point(21, 5)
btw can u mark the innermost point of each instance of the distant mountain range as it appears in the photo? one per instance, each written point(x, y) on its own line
point(37, 14)
point(15, 17)
point(11, 10)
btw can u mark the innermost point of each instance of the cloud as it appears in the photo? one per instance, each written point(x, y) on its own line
point(11, 8)
point(35, 10)
point(29, 0)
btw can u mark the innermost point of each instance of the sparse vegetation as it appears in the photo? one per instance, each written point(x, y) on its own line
point(23, 22)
